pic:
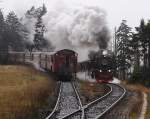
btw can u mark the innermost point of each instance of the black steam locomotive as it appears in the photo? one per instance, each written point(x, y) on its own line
point(101, 66)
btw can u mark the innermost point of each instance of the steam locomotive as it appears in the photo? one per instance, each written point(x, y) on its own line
point(63, 63)
point(101, 67)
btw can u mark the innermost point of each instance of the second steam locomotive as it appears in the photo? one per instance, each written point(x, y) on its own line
point(101, 66)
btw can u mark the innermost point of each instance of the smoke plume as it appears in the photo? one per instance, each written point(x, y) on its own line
point(29, 23)
point(82, 29)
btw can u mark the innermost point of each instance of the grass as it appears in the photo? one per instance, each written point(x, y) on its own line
point(91, 91)
point(139, 101)
point(23, 92)
point(147, 116)
point(137, 106)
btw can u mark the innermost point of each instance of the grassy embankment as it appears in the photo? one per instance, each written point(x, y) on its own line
point(91, 91)
point(24, 91)
point(139, 101)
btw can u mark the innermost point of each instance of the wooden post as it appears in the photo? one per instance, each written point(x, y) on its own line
point(15, 58)
point(32, 57)
point(40, 60)
point(24, 55)
point(46, 61)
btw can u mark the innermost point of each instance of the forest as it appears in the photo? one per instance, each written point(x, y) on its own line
point(132, 52)
point(15, 32)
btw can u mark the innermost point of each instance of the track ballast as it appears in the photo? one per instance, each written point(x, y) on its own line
point(68, 102)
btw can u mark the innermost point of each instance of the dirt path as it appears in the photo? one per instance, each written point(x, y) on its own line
point(144, 107)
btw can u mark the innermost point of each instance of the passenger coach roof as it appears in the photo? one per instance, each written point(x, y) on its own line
point(65, 51)
point(49, 53)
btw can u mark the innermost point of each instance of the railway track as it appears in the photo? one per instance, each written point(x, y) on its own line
point(97, 108)
point(68, 102)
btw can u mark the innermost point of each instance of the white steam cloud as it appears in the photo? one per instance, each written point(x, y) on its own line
point(29, 23)
point(77, 28)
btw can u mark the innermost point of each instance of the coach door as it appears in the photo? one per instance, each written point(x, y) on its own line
point(67, 61)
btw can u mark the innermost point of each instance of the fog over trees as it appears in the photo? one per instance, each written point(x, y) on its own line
point(15, 32)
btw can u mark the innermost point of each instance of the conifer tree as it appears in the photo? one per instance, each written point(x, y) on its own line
point(3, 42)
point(39, 40)
point(141, 30)
point(123, 37)
point(148, 41)
point(14, 34)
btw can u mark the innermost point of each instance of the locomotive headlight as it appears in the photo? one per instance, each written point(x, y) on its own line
point(109, 70)
point(100, 70)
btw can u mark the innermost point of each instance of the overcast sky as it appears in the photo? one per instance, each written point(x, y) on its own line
point(131, 10)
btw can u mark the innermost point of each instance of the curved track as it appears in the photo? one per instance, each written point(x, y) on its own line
point(99, 108)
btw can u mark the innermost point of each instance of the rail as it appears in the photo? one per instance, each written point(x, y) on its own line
point(120, 98)
point(55, 108)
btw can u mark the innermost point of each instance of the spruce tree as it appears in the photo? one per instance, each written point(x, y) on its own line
point(136, 53)
point(141, 30)
point(140, 46)
point(148, 43)
point(123, 37)
point(14, 32)
point(3, 42)
point(39, 39)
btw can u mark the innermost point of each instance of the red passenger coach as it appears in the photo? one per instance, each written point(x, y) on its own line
point(63, 63)
point(65, 57)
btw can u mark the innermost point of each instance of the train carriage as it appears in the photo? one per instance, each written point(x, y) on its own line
point(63, 63)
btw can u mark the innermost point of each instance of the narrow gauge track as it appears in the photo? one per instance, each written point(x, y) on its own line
point(68, 102)
point(100, 106)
